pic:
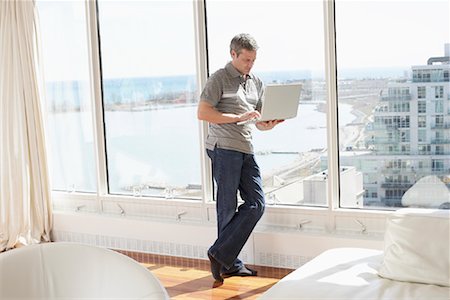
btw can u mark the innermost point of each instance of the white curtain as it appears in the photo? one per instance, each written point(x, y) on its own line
point(25, 205)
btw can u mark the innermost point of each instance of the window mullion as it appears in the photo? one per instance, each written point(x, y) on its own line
point(332, 115)
point(202, 75)
point(95, 81)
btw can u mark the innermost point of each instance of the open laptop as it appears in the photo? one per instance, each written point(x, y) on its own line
point(280, 102)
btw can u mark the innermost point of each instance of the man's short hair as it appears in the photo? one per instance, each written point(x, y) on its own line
point(243, 41)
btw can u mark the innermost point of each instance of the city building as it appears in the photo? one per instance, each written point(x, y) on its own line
point(409, 137)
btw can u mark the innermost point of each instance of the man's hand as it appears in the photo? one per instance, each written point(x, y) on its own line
point(267, 125)
point(253, 114)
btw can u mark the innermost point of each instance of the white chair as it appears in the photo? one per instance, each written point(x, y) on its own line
point(74, 271)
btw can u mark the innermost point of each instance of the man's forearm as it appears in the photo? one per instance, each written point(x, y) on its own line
point(211, 115)
point(206, 112)
point(220, 118)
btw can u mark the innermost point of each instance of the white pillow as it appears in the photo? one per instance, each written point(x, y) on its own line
point(416, 246)
point(427, 192)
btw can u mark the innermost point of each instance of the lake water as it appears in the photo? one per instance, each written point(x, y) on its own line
point(161, 147)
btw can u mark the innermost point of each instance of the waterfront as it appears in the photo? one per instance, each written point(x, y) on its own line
point(161, 147)
point(152, 133)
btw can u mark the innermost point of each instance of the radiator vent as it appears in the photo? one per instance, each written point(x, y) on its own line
point(136, 245)
point(281, 260)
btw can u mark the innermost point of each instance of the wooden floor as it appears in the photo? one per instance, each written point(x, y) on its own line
point(191, 279)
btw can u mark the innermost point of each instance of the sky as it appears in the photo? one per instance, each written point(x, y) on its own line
point(156, 38)
point(391, 33)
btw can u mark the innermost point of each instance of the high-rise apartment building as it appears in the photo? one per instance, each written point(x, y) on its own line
point(409, 136)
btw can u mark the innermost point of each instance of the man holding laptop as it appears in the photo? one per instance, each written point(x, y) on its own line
point(233, 95)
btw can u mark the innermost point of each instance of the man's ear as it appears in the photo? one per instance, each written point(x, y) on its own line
point(233, 54)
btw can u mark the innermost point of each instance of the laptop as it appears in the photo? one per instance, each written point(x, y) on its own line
point(280, 102)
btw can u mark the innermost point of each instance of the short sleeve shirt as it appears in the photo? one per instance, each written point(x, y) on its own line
point(229, 92)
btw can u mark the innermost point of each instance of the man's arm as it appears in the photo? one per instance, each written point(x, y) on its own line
point(206, 112)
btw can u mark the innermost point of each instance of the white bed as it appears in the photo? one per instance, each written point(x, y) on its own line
point(349, 273)
point(415, 264)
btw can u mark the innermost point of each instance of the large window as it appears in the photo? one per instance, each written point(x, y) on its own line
point(68, 95)
point(393, 108)
point(378, 52)
point(290, 36)
point(149, 97)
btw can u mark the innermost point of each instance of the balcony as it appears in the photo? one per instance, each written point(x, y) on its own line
point(440, 126)
point(382, 141)
point(401, 185)
point(392, 171)
point(396, 97)
point(397, 170)
point(439, 171)
point(441, 153)
point(381, 127)
point(391, 201)
point(440, 141)
point(428, 79)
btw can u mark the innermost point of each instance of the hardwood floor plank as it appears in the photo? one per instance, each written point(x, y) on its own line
point(190, 279)
point(190, 284)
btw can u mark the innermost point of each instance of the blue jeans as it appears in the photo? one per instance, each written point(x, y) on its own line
point(235, 171)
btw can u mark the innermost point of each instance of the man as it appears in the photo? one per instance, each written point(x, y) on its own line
point(233, 95)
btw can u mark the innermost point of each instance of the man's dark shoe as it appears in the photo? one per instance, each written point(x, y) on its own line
point(244, 271)
point(215, 268)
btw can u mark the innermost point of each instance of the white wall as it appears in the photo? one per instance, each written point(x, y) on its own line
point(268, 245)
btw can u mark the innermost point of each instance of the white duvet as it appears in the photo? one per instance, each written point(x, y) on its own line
point(349, 273)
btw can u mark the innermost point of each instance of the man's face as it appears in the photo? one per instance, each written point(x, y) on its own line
point(244, 61)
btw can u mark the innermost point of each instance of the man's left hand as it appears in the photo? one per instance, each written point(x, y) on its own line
point(267, 125)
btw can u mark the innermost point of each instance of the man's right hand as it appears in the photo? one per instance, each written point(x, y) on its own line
point(253, 114)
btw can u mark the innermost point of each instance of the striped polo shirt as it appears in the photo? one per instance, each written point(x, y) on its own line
point(228, 92)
